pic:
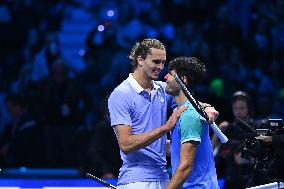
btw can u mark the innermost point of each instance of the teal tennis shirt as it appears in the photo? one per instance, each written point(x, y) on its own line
point(192, 127)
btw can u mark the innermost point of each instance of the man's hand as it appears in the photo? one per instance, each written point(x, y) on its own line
point(173, 118)
point(211, 113)
point(224, 125)
point(267, 140)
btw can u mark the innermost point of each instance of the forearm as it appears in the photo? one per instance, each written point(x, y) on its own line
point(187, 155)
point(136, 142)
point(129, 142)
point(179, 177)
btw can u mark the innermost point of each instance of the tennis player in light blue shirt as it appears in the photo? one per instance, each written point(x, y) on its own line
point(143, 111)
point(138, 112)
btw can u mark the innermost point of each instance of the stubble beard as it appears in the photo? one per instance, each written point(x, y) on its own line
point(173, 89)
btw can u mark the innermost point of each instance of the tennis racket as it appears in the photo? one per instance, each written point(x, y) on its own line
point(199, 109)
point(101, 181)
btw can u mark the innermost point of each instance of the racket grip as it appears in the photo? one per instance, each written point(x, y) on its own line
point(219, 133)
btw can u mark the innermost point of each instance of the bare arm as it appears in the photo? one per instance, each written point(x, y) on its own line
point(129, 142)
point(187, 154)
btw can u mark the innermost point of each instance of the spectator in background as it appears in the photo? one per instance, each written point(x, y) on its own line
point(62, 104)
point(21, 143)
point(221, 30)
point(234, 64)
point(49, 53)
point(99, 152)
point(4, 114)
point(238, 172)
point(265, 106)
point(260, 44)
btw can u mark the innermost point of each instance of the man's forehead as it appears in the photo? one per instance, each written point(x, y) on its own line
point(157, 53)
point(172, 72)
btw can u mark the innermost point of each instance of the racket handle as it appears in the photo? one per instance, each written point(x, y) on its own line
point(219, 133)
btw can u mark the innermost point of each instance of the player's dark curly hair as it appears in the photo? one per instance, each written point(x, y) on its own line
point(190, 67)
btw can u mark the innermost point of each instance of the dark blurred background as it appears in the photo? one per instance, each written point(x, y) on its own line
point(60, 59)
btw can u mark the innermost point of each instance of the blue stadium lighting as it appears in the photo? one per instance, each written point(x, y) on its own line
point(81, 52)
point(23, 169)
point(101, 28)
point(110, 13)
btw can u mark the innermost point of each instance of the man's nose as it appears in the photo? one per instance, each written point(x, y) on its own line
point(160, 66)
point(166, 77)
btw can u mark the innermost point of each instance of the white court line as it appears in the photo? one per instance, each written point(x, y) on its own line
point(273, 185)
point(7, 187)
point(75, 187)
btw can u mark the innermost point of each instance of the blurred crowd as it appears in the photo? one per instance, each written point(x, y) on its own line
point(52, 115)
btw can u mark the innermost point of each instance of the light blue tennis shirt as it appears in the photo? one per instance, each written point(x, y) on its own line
point(130, 104)
point(192, 127)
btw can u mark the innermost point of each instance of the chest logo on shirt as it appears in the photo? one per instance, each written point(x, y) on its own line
point(162, 99)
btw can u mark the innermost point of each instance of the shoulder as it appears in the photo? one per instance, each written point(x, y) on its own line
point(190, 117)
point(122, 95)
point(161, 84)
point(122, 90)
point(190, 126)
point(190, 113)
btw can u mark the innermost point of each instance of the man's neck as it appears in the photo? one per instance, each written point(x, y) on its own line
point(145, 83)
point(180, 99)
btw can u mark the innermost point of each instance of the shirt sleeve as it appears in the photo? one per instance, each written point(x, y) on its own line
point(119, 109)
point(190, 127)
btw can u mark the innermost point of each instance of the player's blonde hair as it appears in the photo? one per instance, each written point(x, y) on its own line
point(143, 49)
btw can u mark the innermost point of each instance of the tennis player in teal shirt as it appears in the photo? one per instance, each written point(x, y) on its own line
point(191, 150)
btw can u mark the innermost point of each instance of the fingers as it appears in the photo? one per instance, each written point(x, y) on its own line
point(223, 125)
point(210, 120)
point(261, 137)
point(175, 116)
point(181, 109)
point(212, 114)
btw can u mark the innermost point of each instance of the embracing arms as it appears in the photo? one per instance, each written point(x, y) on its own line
point(129, 142)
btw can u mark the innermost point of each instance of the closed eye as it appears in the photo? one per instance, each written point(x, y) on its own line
point(159, 61)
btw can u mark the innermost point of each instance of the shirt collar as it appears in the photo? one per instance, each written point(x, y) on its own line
point(135, 85)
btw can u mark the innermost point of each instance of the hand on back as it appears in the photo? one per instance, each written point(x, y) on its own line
point(173, 118)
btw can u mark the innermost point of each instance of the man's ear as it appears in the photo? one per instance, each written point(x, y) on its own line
point(140, 60)
point(184, 79)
